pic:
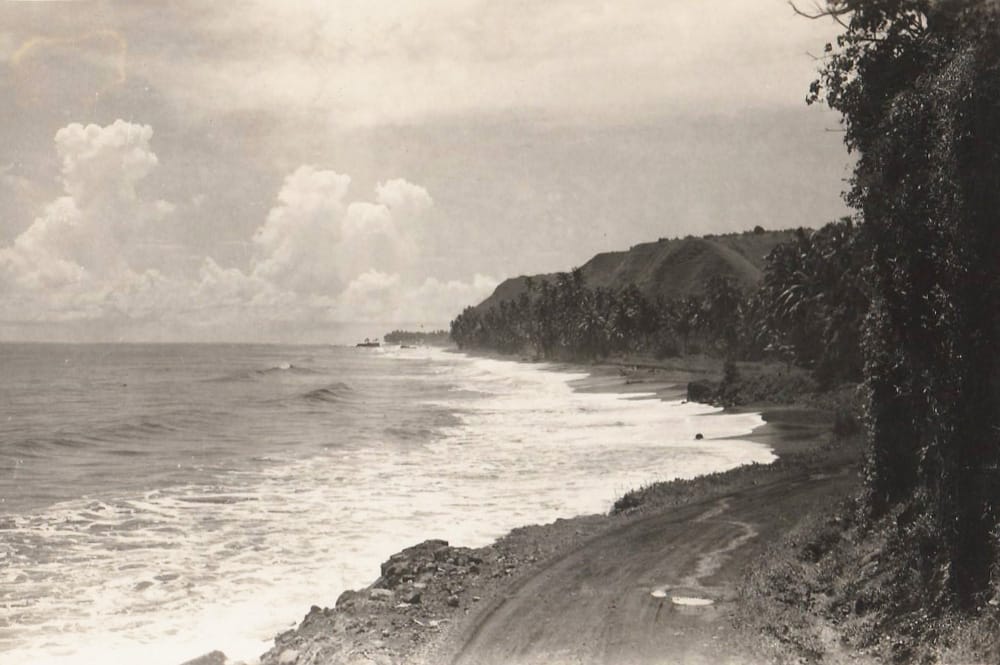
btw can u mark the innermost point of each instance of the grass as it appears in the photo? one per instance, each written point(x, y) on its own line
point(841, 587)
point(679, 492)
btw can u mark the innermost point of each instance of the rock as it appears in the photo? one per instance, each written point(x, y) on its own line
point(381, 594)
point(347, 599)
point(213, 658)
point(288, 657)
point(699, 436)
point(414, 563)
point(452, 601)
point(319, 621)
point(412, 598)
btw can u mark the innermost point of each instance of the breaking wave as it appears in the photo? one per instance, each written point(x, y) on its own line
point(279, 370)
point(335, 392)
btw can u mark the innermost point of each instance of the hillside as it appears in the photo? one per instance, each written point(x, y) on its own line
point(671, 268)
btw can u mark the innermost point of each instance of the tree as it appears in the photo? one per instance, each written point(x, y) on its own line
point(917, 83)
point(815, 296)
point(721, 312)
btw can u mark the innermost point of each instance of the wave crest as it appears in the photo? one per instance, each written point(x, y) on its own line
point(281, 369)
point(335, 392)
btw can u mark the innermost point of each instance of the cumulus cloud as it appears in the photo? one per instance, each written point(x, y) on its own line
point(314, 242)
point(306, 223)
point(317, 256)
point(403, 197)
point(88, 230)
point(81, 240)
point(368, 296)
point(444, 299)
point(372, 294)
point(102, 165)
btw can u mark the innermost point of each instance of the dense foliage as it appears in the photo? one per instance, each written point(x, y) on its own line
point(433, 337)
point(918, 85)
point(808, 310)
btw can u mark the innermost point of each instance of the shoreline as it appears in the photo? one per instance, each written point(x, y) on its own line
point(789, 427)
point(414, 610)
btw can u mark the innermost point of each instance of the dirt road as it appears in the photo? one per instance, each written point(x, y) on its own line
point(659, 589)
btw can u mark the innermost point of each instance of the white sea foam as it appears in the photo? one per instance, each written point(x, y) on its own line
point(166, 575)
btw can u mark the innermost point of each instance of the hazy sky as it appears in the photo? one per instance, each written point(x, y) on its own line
point(264, 170)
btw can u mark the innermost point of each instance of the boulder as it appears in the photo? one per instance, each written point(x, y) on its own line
point(407, 565)
point(213, 658)
point(348, 599)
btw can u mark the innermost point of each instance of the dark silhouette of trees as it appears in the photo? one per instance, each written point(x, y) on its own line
point(918, 85)
point(436, 337)
point(815, 296)
point(722, 314)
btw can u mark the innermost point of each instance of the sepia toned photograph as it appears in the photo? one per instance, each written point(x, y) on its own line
point(470, 332)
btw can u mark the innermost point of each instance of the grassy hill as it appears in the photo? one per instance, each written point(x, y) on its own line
point(671, 268)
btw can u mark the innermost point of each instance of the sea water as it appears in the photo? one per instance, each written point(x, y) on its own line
point(161, 501)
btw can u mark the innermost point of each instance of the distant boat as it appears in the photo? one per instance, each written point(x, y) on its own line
point(369, 343)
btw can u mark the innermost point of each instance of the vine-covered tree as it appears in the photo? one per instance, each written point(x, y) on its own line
point(918, 85)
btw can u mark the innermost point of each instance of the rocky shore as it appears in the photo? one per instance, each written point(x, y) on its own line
point(421, 592)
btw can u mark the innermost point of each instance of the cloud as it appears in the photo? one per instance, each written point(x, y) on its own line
point(294, 242)
point(40, 257)
point(444, 299)
point(365, 63)
point(347, 261)
point(53, 72)
point(318, 256)
point(219, 287)
point(373, 294)
point(86, 235)
point(101, 165)
point(403, 197)
point(369, 296)
point(313, 242)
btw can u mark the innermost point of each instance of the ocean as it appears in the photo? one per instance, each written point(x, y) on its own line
point(161, 501)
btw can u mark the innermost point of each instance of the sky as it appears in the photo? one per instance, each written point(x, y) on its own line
point(303, 170)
